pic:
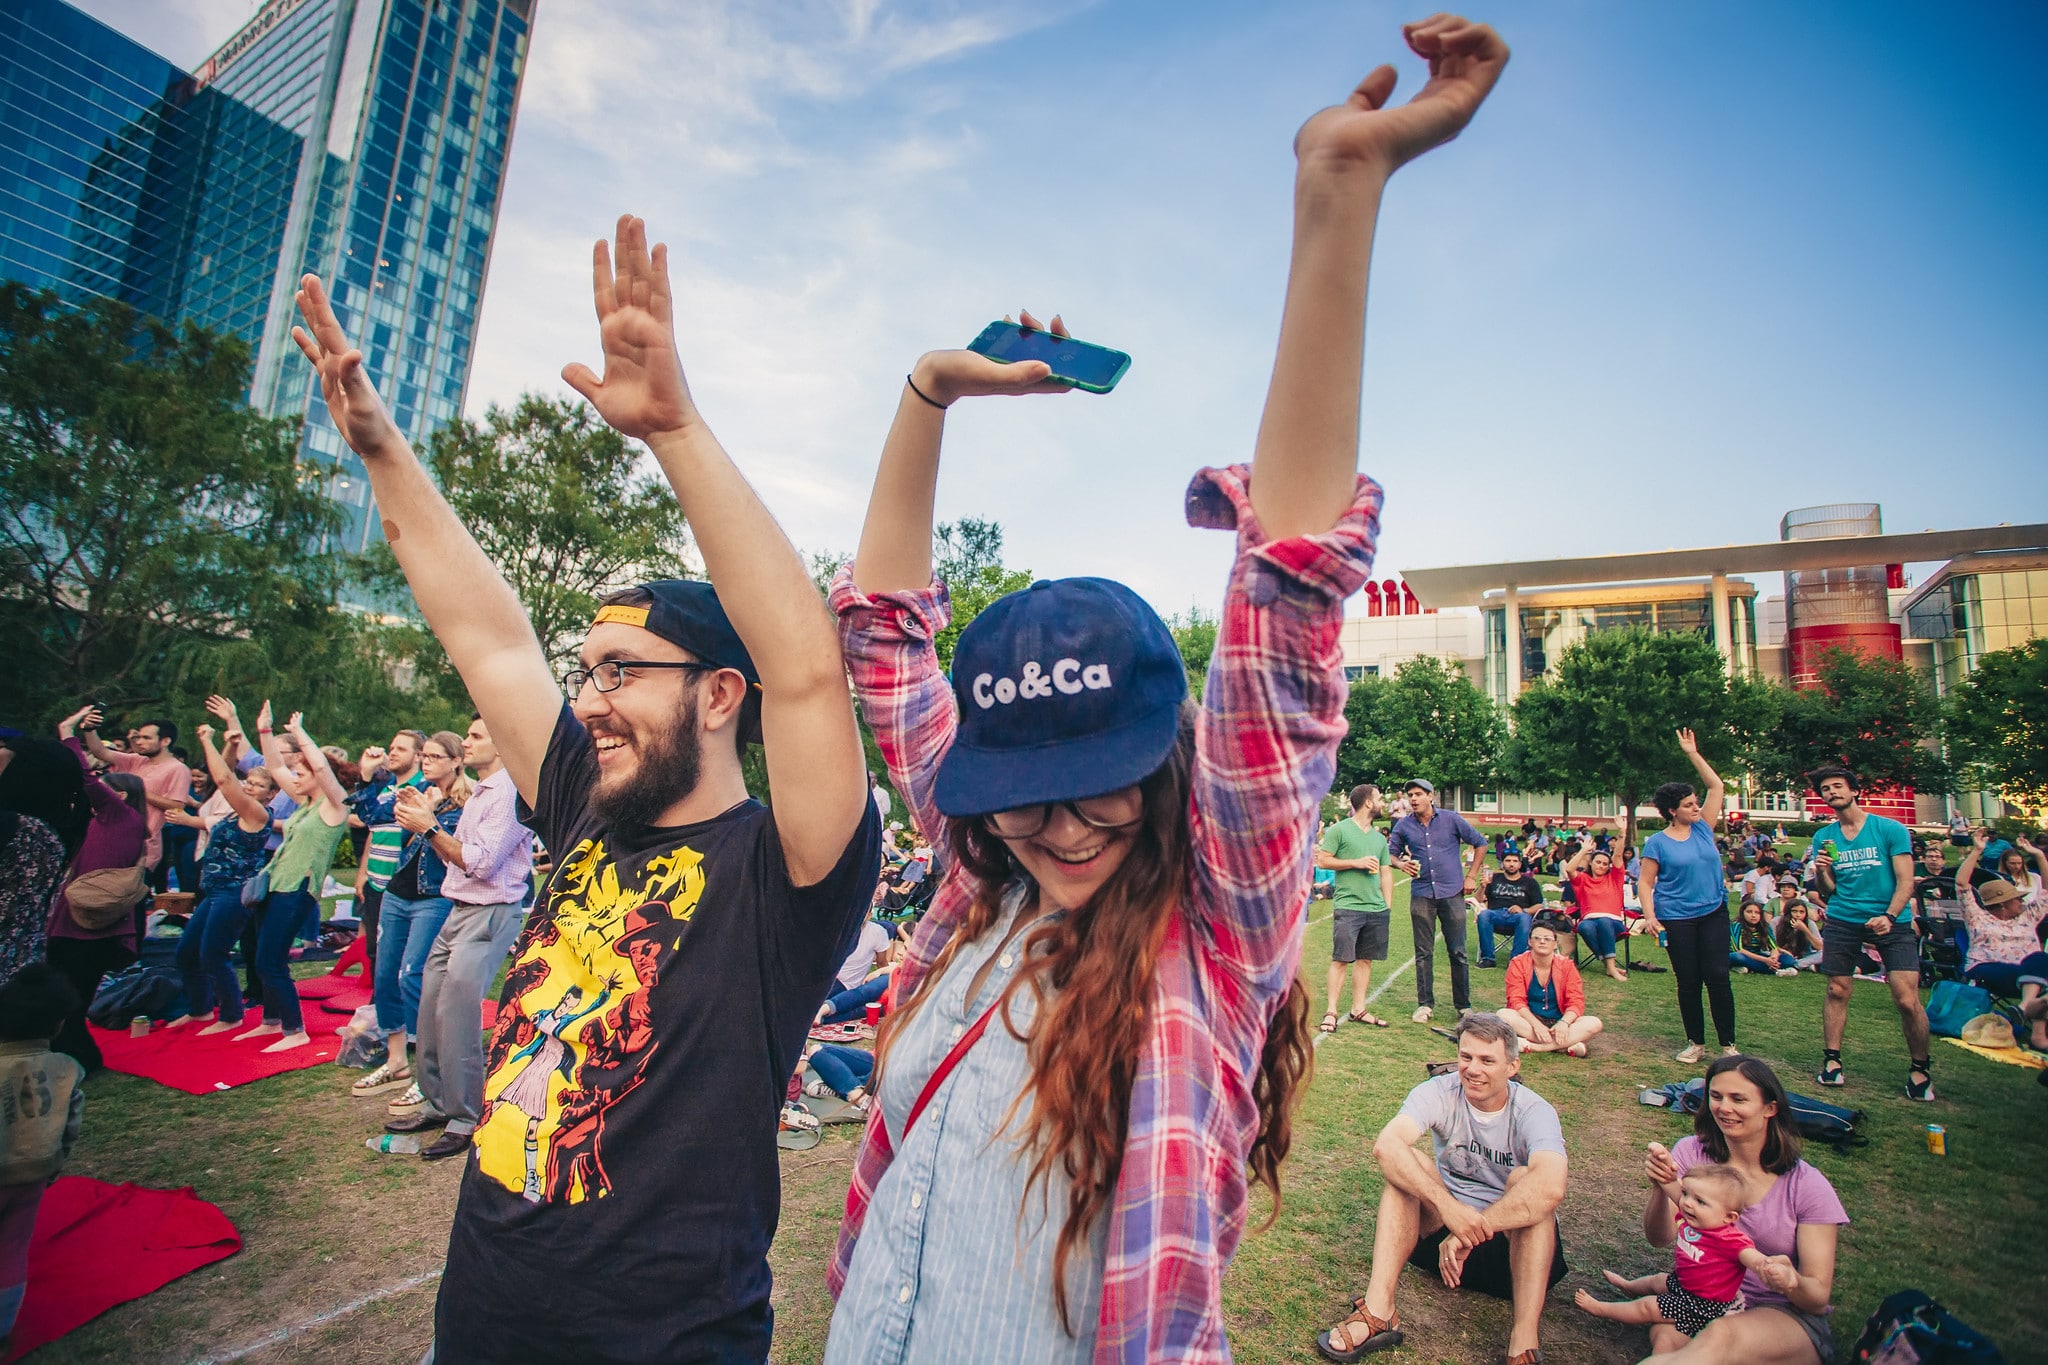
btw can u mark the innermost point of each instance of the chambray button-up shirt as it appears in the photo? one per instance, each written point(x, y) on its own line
point(938, 1276)
point(1435, 846)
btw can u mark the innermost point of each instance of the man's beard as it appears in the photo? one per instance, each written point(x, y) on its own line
point(667, 764)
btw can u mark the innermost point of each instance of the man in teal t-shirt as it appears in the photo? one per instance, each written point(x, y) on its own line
point(1864, 863)
point(1357, 853)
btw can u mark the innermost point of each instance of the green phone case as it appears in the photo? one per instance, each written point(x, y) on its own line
point(1123, 358)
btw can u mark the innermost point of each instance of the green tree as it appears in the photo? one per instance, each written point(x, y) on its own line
point(1542, 755)
point(1997, 724)
point(562, 504)
point(1429, 721)
point(149, 518)
point(1194, 634)
point(1607, 721)
point(967, 556)
point(1875, 716)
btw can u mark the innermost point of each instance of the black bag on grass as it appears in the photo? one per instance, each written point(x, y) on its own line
point(1910, 1328)
point(141, 989)
point(1818, 1120)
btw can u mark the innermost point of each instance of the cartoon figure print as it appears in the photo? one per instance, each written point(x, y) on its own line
point(545, 1055)
point(575, 1030)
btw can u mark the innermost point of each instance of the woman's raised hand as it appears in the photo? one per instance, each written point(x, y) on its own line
point(344, 384)
point(1465, 60)
point(1688, 742)
point(945, 376)
point(643, 392)
point(263, 716)
point(1658, 1165)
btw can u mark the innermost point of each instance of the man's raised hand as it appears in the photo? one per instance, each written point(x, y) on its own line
point(1465, 60)
point(643, 392)
point(946, 376)
point(351, 398)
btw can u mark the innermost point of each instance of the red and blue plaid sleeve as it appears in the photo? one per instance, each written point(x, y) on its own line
point(1272, 715)
point(904, 695)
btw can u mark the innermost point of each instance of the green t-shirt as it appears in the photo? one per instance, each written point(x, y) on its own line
point(1864, 879)
point(1356, 890)
point(302, 860)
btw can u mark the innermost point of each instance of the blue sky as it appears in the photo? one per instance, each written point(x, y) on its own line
point(1692, 266)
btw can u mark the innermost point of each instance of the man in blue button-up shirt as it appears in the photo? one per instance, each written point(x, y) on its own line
point(1426, 841)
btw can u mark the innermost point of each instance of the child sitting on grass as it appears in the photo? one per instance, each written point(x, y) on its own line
point(1708, 1258)
point(40, 1104)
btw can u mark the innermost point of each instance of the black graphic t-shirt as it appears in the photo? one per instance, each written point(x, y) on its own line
point(624, 1188)
point(1517, 893)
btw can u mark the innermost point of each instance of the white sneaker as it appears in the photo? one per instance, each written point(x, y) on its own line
point(1788, 971)
point(1422, 1014)
point(1731, 1051)
point(1692, 1052)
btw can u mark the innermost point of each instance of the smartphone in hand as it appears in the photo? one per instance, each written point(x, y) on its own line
point(1094, 368)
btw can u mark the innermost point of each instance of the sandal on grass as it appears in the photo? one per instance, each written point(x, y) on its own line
point(1329, 1024)
point(1366, 1017)
point(1830, 1069)
point(1362, 1334)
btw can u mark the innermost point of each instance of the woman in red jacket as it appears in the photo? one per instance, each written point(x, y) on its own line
point(1546, 998)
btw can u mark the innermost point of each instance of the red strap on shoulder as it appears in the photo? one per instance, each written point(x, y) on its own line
point(960, 1049)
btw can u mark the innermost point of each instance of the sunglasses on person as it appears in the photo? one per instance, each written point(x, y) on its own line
point(1110, 812)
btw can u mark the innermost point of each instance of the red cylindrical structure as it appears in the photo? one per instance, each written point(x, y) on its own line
point(1372, 598)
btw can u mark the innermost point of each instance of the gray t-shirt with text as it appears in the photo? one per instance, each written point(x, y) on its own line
point(1476, 1151)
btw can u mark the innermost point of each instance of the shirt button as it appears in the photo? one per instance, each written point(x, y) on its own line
point(917, 1199)
point(903, 1294)
point(958, 1030)
point(1005, 960)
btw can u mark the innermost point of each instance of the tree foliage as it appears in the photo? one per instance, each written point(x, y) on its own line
point(562, 504)
point(150, 520)
point(1875, 716)
point(1997, 723)
point(1194, 634)
point(1606, 722)
point(967, 556)
point(1428, 721)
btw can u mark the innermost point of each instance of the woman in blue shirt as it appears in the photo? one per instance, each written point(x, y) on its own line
point(1685, 897)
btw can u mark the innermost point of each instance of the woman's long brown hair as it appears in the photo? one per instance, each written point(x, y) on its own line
point(1091, 978)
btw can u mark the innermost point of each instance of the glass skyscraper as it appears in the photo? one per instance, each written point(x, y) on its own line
point(361, 140)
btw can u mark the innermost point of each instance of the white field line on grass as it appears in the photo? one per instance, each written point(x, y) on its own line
point(1377, 992)
point(287, 1333)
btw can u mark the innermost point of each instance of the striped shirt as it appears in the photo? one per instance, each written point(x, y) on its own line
point(1266, 743)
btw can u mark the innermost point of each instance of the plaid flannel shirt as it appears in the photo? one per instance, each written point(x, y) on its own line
point(1266, 744)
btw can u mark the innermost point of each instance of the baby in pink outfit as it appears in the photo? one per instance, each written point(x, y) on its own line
point(1708, 1258)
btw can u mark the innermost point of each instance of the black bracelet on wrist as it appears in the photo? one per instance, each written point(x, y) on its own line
point(922, 394)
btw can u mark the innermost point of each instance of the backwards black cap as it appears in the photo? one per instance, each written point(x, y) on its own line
point(687, 614)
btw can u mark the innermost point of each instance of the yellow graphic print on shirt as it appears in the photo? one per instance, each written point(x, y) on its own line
point(574, 1035)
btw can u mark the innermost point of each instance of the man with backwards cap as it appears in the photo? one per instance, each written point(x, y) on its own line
point(624, 1188)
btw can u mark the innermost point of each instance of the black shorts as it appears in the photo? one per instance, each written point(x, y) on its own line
point(1687, 1311)
point(1486, 1270)
point(1356, 934)
point(1842, 945)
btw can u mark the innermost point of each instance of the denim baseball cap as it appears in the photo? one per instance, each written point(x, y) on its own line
point(687, 614)
point(1070, 688)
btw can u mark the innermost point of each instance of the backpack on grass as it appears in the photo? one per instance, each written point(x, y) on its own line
point(1818, 1120)
point(1910, 1328)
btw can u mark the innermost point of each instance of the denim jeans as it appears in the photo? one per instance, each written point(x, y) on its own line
point(2006, 978)
point(853, 1004)
point(1737, 962)
point(1516, 922)
point(205, 951)
point(845, 1069)
point(282, 913)
point(1601, 934)
point(1423, 914)
point(405, 935)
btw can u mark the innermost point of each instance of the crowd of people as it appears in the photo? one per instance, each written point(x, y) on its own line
point(1064, 1003)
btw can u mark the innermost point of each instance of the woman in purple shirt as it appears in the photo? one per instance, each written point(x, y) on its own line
point(1792, 1215)
point(116, 838)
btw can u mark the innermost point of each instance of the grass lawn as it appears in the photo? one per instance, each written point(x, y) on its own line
point(327, 1223)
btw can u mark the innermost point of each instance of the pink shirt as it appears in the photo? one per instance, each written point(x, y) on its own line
point(161, 776)
point(2002, 940)
point(1708, 1261)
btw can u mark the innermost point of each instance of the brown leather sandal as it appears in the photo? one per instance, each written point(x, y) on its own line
point(1380, 1335)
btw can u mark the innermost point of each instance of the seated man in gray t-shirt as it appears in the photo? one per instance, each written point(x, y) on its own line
point(1483, 1214)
